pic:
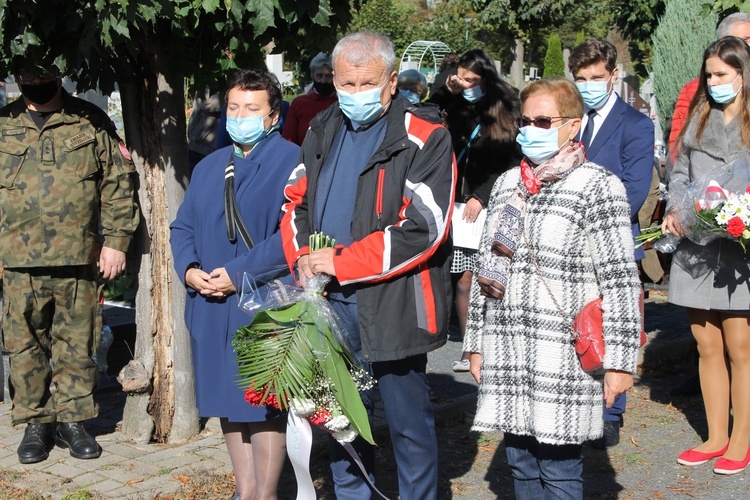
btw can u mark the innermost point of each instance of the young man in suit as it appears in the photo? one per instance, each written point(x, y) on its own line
point(621, 139)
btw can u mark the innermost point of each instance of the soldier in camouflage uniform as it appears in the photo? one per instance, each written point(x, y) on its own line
point(65, 178)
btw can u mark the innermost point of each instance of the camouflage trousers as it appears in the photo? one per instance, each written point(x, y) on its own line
point(51, 328)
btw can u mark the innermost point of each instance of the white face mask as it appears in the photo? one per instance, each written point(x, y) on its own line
point(594, 94)
point(539, 144)
point(362, 107)
point(412, 97)
point(246, 131)
point(725, 93)
point(473, 94)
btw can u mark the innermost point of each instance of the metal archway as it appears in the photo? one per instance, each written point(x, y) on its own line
point(424, 56)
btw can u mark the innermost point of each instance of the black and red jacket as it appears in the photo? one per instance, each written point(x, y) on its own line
point(400, 258)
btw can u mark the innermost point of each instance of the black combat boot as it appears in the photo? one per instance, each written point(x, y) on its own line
point(72, 435)
point(36, 443)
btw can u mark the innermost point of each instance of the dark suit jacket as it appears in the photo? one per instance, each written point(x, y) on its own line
point(624, 145)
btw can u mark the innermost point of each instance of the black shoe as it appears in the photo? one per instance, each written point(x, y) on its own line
point(36, 443)
point(73, 436)
point(611, 436)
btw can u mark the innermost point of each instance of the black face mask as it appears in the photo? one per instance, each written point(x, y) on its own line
point(324, 88)
point(40, 94)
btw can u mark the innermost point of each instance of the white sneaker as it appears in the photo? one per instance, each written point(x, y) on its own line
point(461, 365)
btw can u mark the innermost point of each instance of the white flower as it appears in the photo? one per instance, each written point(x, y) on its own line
point(345, 436)
point(338, 423)
point(722, 218)
point(302, 407)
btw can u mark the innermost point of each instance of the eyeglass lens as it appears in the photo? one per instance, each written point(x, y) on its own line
point(539, 122)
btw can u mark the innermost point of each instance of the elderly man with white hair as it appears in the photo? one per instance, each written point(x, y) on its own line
point(378, 175)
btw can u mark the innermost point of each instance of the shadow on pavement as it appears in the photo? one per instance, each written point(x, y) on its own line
point(670, 363)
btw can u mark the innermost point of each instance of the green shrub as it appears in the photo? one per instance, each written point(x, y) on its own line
point(679, 41)
point(554, 64)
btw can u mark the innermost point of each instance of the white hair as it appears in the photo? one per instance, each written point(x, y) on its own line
point(319, 61)
point(726, 24)
point(364, 48)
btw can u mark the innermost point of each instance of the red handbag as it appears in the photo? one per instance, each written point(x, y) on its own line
point(588, 326)
point(589, 341)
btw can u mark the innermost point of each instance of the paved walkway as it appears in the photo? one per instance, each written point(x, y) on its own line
point(133, 471)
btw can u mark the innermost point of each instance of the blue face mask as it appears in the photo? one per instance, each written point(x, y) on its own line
point(246, 131)
point(473, 94)
point(594, 94)
point(539, 144)
point(412, 97)
point(363, 107)
point(723, 94)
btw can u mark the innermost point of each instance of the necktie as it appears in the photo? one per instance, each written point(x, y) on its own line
point(588, 131)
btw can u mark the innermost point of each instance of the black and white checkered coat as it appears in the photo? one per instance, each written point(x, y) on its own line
point(532, 382)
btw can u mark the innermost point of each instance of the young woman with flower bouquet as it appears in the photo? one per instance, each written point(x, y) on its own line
point(713, 280)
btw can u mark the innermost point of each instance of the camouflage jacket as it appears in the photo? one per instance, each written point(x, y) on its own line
point(63, 186)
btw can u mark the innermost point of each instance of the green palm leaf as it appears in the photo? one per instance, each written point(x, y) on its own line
point(274, 351)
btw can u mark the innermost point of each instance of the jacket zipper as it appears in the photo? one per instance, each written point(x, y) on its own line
point(379, 198)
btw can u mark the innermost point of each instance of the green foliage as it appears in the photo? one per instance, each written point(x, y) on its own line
point(678, 52)
point(457, 23)
point(554, 65)
point(637, 20)
point(385, 17)
point(580, 38)
point(594, 15)
point(524, 17)
point(527, 20)
point(724, 7)
point(101, 42)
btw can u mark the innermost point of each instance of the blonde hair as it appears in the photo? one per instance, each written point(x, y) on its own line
point(566, 95)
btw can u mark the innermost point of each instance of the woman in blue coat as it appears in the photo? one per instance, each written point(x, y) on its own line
point(211, 255)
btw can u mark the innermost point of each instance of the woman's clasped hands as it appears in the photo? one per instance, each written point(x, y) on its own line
point(214, 284)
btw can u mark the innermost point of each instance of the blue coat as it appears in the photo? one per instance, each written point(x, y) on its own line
point(624, 145)
point(198, 235)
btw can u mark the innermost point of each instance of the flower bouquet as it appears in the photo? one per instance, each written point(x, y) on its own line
point(716, 205)
point(294, 356)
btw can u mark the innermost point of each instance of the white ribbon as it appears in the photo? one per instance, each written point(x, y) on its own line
point(298, 445)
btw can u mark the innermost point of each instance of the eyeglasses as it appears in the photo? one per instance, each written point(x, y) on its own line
point(25, 78)
point(541, 121)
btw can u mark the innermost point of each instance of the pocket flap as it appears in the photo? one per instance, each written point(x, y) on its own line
point(14, 148)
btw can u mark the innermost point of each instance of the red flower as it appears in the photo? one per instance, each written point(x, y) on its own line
point(321, 417)
point(747, 189)
point(272, 400)
point(735, 227)
point(253, 397)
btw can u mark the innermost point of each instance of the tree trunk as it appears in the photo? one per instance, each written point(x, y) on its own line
point(516, 67)
point(153, 112)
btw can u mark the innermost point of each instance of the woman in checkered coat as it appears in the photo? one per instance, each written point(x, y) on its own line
point(557, 237)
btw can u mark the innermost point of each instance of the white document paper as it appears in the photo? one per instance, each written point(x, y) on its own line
point(467, 234)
